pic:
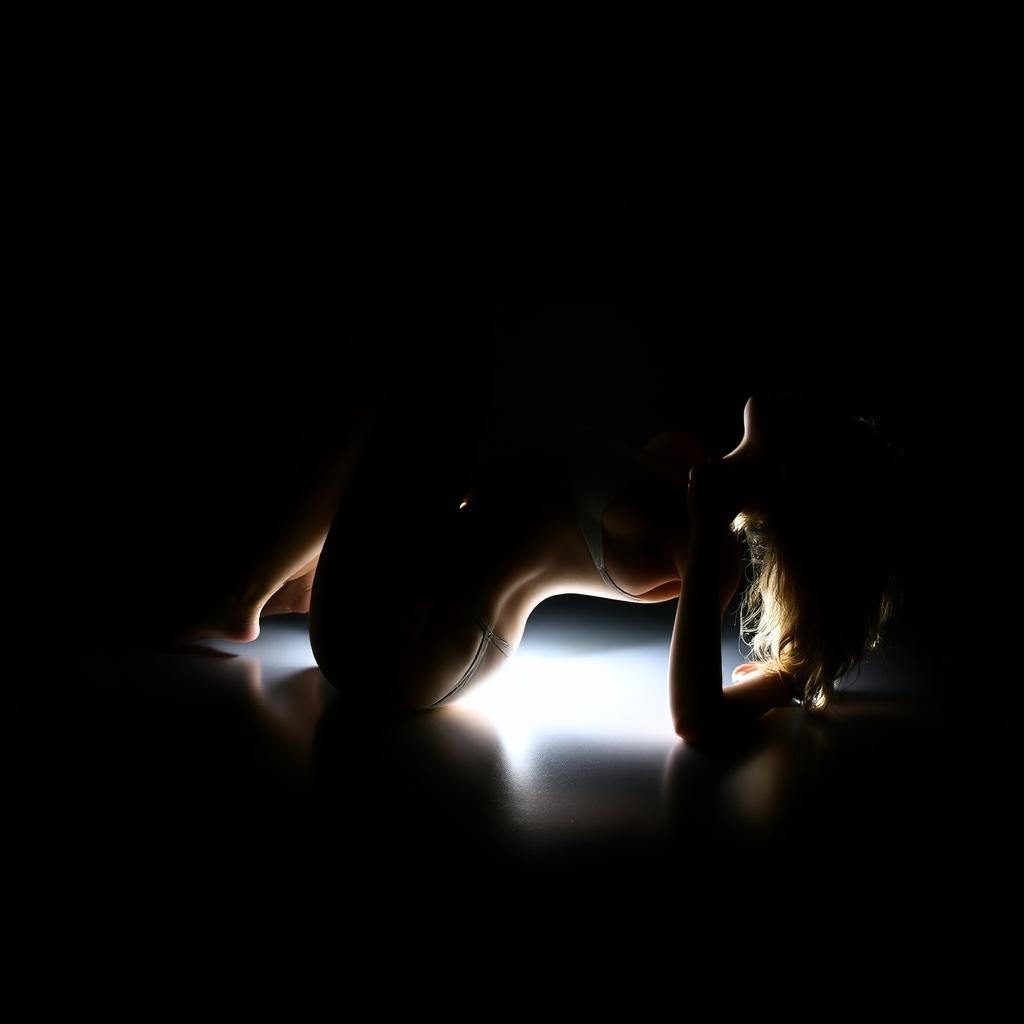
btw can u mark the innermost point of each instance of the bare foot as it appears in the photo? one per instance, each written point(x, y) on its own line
point(237, 617)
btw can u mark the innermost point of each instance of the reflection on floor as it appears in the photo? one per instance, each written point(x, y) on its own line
point(563, 773)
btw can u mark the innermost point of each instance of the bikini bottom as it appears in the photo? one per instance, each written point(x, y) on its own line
point(489, 637)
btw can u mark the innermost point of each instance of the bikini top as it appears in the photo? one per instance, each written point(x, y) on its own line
point(599, 468)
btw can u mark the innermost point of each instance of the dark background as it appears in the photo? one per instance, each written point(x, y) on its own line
point(217, 310)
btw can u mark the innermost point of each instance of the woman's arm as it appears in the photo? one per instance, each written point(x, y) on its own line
point(695, 659)
point(711, 569)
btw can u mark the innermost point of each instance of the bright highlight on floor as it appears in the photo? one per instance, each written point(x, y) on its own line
point(615, 695)
point(618, 696)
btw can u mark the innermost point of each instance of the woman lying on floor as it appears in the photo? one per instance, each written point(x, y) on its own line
point(420, 567)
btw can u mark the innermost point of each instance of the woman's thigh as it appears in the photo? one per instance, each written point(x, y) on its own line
point(386, 618)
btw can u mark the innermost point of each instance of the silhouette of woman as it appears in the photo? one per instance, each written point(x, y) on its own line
point(420, 562)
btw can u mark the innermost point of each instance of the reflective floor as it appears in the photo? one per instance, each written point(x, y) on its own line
point(561, 774)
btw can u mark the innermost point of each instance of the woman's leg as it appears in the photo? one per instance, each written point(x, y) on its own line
point(279, 578)
point(384, 620)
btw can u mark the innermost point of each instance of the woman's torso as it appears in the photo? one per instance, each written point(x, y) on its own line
point(525, 537)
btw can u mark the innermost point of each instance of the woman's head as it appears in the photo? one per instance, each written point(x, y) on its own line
point(824, 524)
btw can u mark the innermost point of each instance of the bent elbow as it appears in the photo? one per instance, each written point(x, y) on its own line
point(707, 729)
point(723, 731)
point(692, 733)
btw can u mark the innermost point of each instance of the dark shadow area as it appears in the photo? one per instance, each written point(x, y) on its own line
point(424, 798)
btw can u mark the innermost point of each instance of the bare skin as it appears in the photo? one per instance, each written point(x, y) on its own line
point(515, 543)
point(511, 542)
point(704, 712)
point(282, 580)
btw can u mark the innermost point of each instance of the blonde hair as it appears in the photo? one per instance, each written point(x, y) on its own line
point(824, 551)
